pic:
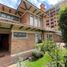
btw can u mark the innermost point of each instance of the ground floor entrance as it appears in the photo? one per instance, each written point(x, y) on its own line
point(4, 44)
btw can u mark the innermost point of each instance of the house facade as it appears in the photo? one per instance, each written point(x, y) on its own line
point(22, 29)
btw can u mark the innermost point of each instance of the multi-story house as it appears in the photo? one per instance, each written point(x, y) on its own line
point(22, 29)
point(52, 20)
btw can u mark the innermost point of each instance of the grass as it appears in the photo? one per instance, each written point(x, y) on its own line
point(39, 63)
point(43, 61)
point(64, 51)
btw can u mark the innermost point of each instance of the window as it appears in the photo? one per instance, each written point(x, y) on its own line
point(52, 22)
point(3, 15)
point(39, 22)
point(49, 36)
point(31, 20)
point(52, 19)
point(52, 26)
point(47, 23)
point(36, 21)
point(38, 38)
point(20, 35)
point(8, 16)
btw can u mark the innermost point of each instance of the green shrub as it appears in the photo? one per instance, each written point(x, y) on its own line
point(40, 47)
point(37, 54)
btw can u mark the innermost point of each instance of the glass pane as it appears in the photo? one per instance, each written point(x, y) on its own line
point(39, 22)
point(20, 34)
point(11, 3)
point(31, 20)
point(38, 38)
point(35, 21)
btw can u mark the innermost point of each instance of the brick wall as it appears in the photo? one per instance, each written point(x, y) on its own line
point(55, 37)
point(25, 19)
point(20, 45)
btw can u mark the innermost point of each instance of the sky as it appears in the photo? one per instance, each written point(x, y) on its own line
point(48, 3)
point(11, 3)
point(15, 3)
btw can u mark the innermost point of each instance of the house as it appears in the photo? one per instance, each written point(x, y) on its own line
point(22, 29)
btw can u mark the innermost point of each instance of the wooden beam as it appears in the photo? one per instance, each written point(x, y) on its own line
point(20, 13)
point(19, 5)
point(11, 26)
point(3, 8)
point(29, 7)
point(38, 13)
point(42, 15)
point(33, 29)
point(16, 12)
point(38, 30)
point(25, 5)
point(4, 28)
point(9, 10)
point(34, 10)
point(21, 27)
point(28, 28)
point(23, 8)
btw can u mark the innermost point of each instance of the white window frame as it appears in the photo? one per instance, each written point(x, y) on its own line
point(39, 22)
point(31, 21)
point(36, 21)
point(19, 37)
point(37, 35)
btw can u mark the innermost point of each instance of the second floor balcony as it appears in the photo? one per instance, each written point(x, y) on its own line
point(8, 17)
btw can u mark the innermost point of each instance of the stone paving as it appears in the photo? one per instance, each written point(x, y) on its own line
point(16, 65)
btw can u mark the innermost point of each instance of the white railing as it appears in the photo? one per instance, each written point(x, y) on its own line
point(50, 29)
point(6, 19)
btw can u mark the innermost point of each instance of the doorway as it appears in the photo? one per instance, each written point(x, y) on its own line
point(4, 44)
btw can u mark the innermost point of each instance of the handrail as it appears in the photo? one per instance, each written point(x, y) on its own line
point(6, 19)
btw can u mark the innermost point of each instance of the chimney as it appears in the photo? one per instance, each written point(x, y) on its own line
point(42, 7)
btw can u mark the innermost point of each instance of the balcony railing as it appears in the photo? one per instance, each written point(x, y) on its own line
point(8, 20)
point(50, 29)
point(8, 17)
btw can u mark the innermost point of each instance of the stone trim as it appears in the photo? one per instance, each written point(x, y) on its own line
point(20, 53)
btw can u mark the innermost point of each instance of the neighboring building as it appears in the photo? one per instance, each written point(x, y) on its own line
point(22, 29)
point(52, 21)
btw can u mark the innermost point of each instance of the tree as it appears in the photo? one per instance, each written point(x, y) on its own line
point(63, 24)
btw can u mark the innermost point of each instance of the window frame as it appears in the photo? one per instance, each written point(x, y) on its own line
point(31, 24)
point(38, 21)
point(19, 37)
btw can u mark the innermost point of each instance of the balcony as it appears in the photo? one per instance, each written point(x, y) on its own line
point(9, 18)
point(32, 28)
point(12, 24)
point(50, 29)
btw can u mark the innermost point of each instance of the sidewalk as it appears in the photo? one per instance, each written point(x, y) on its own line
point(17, 65)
